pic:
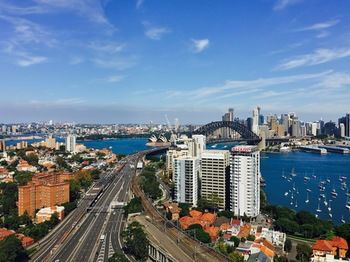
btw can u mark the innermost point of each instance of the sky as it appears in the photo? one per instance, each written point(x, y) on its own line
point(135, 61)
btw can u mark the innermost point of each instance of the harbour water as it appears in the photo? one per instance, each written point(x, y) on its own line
point(329, 168)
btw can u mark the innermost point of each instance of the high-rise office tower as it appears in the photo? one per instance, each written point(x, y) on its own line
point(346, 121)
point(2, 145)
point(70, 143)
point(186, 175)
point(295, 128)
point(314, 128)
point(215, 167)
point(255, 124)
point(342, 130)
point(245, 181)
point(226, 132)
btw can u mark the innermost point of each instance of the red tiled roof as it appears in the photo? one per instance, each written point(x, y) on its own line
point(339, 242)
point(322, 245)
point(195, 213)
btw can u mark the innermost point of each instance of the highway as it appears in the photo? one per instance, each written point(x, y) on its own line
point(85, 243)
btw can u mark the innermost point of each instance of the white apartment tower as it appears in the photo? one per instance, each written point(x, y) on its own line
point(70, 143)
point(215, 166)
point(245, 181)
point(199, 145)
point(255, 124)
point(185, 176)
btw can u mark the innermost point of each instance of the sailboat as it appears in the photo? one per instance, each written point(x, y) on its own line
point(293, 174)
point(342, 219)
point(307, 198)
point(296, 203)
point(286, 194)
point(318, 208)
point(329, 206)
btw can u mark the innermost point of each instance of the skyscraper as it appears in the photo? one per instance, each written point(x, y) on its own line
point(215, 166)
point(346, 121)
point(255, 124)
point(186, 175)
point(70, 143)
point(245, 181)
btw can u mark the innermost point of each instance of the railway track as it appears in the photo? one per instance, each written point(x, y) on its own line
point(192, 247)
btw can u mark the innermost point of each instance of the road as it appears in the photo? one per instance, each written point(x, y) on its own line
point(51, 242)
point(86, 243)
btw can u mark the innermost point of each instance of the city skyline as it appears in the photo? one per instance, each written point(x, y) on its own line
point(135, 61)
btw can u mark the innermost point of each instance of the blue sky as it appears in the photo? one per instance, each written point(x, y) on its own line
point(129, 61)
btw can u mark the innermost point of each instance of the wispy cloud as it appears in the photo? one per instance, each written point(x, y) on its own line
point(282, 4)
point(115, 62)
point(319, 26)
point(139, 3)
point(319, 56)
point(28, 60)
point(199, 45)
point(155, 32)
point(115, 78)
point(26, 31)
point(108, 47)
point(76, 60)
point(239, 87)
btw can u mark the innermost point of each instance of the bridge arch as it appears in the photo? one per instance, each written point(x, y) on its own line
point(241, 129)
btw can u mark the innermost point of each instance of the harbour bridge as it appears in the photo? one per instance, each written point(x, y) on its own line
point(244, 133)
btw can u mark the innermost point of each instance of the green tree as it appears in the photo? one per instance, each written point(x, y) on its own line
point(185, 209)
point(288, 245)
point(54, 220)
point(23, 177)
point(251, 238)
point(236, 257)
point(280, 259)
point(134, 206)
point(11, 249)
point(118, 257)
point(136, 241)
point(198, 232)
point(235, 240)
point(304, 252)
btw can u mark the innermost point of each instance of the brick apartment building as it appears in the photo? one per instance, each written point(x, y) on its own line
point(45, 190)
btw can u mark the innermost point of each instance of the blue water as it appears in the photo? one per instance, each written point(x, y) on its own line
point(119, 146)
point(329, 166)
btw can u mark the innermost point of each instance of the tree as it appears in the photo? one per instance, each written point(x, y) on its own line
point(23, 177)
point(54, 220)
point(251, 238)
point(280, 259)
point(235, 240)
point(11, 249)
point(185, 209)
point(118, 257)
point(198, 232)
point(69, 207)
point(134, 206)
point(304, 252)
point(226, 213)
point(236, 257)
point(136, 241)
point(288, 245)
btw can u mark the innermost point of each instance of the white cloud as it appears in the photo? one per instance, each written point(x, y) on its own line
point(200, 45)
point(27, 32)
point(320, 26)
point(323, 34)
point(334, 81)
point(155, 32)
point(239, 87)
point(282, 4)
point(139, 3)
point(108, 47)
point(117, 63)
point(319, 56)
point(115, 78)
point(76, 60)
point(28, 60)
